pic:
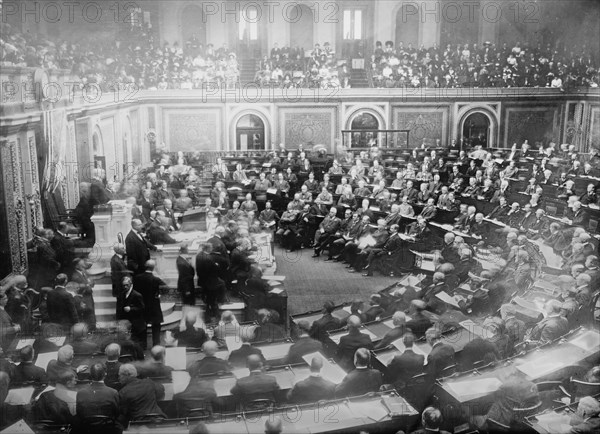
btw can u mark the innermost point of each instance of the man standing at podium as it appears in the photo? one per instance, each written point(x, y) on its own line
point(138, 247)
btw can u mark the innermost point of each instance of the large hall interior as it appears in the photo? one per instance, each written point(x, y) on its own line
point(352, 216)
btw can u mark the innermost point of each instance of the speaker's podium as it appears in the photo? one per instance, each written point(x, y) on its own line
point(193, 220)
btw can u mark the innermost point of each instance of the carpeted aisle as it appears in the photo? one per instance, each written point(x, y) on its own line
point(311, 281)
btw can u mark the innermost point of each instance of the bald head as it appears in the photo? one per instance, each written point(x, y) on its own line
point(210, 348)
point(254, 362)
point(79, 330)
point(316, 364)
point(112, 351)
point(353, 322)
point(158, 353)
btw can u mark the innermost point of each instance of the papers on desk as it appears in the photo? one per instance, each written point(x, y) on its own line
point(539, 367)
point(275, 290)
point(21, 396)
point(336, 337)
point(175, 358)
point(23, 343)
point(412, 280)
point(330, 371)
point(59, 341)
point(476, 329)
point(233, 343)
point(474, 388)
point(446, 298)
point(223, 385)
point(554, 422)
point(366, 241)
point(271, 190)
point(588, 341)
point(275, 351)
point(370, 410)
point(19, 427)
point(241, 372)
point(181, 379)
point(43, 359)
point(536, 307)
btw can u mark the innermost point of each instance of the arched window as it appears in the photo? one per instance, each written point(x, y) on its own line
point(476, 129)
point(250, 133)
point(364, 129)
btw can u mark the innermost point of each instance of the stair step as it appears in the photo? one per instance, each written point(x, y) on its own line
point(170, 321)
point(108, 313)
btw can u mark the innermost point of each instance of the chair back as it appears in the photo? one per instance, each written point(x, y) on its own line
point(100, 425)
point(50, 427)
point(522, 412)
point(494, 427)
point(259, 404)
point(584, 388)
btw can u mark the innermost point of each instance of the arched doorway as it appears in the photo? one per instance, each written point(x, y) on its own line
point(193, 27)
point(407, 25)
point(476, 129)
point(364, 127)
point(301, 29)
point(99, 155)
point(250, 133)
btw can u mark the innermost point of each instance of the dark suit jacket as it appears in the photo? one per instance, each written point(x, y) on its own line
point(549, 329)
point(311, 389)
point(358, 382)
point(348, 346)
point(238, 358)
point(61, 307)
point(418, 325)
point(139, 398)
point(301, 347)
point(138, 252)
point(191, 337)
point(257, 385)
point(64, 248)
point(320, 327)
point(209, 365)
point(112, 374)
point(97, 399)
point(404, 366)
point(158, 235)
point(218, 247)
point(185, 281)
point(118, 270)
point(49, 407)
point(392, 335)
point(268, 332)
point(199, 394)
point(149, 286)
point(27, 371)
point(441, 356)
point(136, 315)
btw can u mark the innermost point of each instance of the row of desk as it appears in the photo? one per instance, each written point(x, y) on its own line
point(382, 412)
point(543, 363)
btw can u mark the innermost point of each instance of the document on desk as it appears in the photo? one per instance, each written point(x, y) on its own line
point(554, 422)
point(23, 343)
point(233, 343)
point(175, 357)
point(223, 385)
point(372, 409)
point(539, 367)
point(43, 359)
point(588, 341)
point(476, 329)
point(59, 341)
point(241, 372)
point(181, 379)
point(21, 396)
point(446, 298)
point(275, 351)
point(474, 388)
point(19, 427)
point(330, 371)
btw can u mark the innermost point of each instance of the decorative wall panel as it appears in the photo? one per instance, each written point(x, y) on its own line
point(309, 126)
point(423, 123)
point(532, 124)
point(594, 137)
point(192, 130)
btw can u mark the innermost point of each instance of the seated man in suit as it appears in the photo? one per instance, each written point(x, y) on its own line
point(58, 405)
point(406, 365)
point(190, 337)
point(362, 379)
point(62, 364)
point(155, 366)
point(200, 393)
point(112, 365)
point(267, 330)
point(303, 345)
point(257, 385)
point(138, 398)
point(80, 340)
point(210, 364)
point(239, 358)
point(419, 323)
point(399, 321)
point(26, 370)
point(352, 342)
point(441, 355)
point(431, 420)
point(314, 388)
point(97, 399)
point(320, 327)
point(552, 327)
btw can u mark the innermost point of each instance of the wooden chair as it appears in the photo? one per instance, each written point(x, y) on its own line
point(493, 427)
point(99, 425)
